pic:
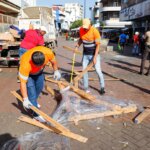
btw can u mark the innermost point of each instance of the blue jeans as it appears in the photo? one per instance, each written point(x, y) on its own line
point(22, 51)
point(85, 62)
point(35, 85)
point(135, 49)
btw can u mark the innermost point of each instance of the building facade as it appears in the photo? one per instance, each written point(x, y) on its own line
point(66, 15)
point(138, 12)
point(9, 11)
point(58, 14)
point(107, 13)
point(110, 14)
point(95, 13)
point(76, 11)
point(8, 14)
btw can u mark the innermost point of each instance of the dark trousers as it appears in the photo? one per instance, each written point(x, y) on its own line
point(146, 54)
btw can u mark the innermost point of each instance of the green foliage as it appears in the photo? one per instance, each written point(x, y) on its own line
point(102, 24)
point(76, 24)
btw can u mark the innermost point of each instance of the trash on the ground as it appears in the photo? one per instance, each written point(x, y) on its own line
point(125, 144)
point(124, 124)
point(98, 128)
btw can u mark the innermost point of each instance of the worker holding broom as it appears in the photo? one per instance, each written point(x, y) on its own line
point(31, 75)
point(90, 38)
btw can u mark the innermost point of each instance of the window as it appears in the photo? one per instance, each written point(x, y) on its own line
point(115, 15)
point(116, 3)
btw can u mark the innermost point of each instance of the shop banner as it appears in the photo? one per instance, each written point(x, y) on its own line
point(136, 11)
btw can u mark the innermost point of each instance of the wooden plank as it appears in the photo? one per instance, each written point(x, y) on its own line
point(72, 49)
point(82, 93)
point(127, 109)
point(78, 77)
point(142, 116)
point(90, 70)
point(52, 129)
point(45, 116)
point(50, 90)
point(61, 87)
point(85, 95)
point(93, 79)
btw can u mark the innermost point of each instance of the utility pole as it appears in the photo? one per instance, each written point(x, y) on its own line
point(84, 8)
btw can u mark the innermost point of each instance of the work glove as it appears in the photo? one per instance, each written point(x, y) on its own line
point(26, 103)
point(57, 75)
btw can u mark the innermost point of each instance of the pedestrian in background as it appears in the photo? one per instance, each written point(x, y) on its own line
point(90, 38)
point(122, 41)
point(33, 37)
point(142, 43)
point(135, 50)
point(66, 36)
point(146, 54)
point(127, 38)
point(31, 76)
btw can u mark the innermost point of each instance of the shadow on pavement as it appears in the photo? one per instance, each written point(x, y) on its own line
point(123, 67)
point(131, 84)
point(126, 63)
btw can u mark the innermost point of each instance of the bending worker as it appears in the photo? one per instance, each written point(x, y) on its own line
point(31, 75)
point(33, 37)
point(90, 38)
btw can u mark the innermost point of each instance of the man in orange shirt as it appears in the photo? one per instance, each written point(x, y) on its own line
point(90, 38)
point(31, 75)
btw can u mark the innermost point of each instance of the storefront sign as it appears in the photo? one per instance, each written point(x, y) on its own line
point(135, 11)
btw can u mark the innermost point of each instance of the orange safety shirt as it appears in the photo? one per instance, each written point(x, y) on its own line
point(90, 38)
point(26, 65)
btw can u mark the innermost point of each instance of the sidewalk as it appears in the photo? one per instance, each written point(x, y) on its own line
point(109, 133)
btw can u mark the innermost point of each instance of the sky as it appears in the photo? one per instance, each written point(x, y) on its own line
point(89, 3)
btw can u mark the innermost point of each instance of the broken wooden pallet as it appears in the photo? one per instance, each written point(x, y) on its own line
point(85, 95)
point(79, 76)
point(52, 129)
point(93, 79)
point(127, 109)
point(58, 127)
point(142, 116)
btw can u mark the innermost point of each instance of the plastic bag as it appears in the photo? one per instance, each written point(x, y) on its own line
point(119, 47)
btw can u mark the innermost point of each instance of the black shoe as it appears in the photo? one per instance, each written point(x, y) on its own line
point(147, 74)
point(102, 91)
point(141, 73)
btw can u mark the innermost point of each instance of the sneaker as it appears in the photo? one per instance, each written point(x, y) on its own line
point(147, 74)
point(40, 119)
point(102, 91)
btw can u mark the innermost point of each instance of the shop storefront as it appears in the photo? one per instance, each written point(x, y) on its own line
point(138, 12)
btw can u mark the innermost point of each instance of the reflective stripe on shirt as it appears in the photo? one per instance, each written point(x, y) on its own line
point(89, 44)
point(23, 77)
